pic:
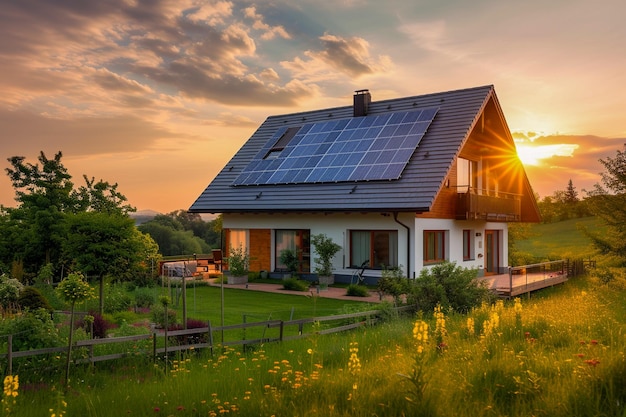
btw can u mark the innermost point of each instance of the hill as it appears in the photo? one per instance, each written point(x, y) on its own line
point(560, 240)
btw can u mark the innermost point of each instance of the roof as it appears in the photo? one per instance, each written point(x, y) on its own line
point(413, 189)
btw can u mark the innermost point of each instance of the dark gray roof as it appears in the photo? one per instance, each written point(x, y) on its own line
point(414, 191)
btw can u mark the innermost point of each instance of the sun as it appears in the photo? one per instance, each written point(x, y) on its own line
point(534, 155)
point(529, 155)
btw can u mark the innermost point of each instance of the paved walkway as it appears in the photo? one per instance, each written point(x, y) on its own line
point(330, 292)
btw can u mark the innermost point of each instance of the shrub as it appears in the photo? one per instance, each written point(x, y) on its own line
point(32, 330)
point(355, 290)
point(100, 326)
point(31, 298)
point(449, 285)
point(9, 291)
point(144, 298)
point(295, 284)
point(158, 316)
point(116, 299)
point(393, 283)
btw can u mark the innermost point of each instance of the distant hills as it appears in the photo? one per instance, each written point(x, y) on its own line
point(143, 216)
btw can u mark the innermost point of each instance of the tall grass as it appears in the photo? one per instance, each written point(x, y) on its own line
point(560, 354)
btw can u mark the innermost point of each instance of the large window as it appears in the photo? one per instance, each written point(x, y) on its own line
point(375, 248)
point(435, 246)
point(238, 238)
point(466, 177)
point(296, 240)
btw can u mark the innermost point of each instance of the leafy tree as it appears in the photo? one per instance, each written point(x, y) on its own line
point(33, 233)
point(73, 289)
point(171, 240)
point(101, 197)
point(608, 202)
point(102, 244)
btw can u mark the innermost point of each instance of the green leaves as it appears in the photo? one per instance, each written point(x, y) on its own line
point(74, 288)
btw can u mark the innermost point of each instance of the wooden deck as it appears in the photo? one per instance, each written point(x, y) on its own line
point(523, 280)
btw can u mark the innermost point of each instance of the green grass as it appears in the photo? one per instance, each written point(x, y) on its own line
point(561, 353)
point(204, 303)
point(560, 240)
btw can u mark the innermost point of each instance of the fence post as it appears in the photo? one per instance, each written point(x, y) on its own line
point(282, 326)
point(10, 354)
point(154, 346)
point(210, 338)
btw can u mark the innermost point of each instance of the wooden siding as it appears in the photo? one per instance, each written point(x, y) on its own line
point(260, 249)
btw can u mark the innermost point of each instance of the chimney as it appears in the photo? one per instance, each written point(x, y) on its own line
point(362, 100)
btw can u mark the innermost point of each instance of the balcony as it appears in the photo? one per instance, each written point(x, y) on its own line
point(484, 205)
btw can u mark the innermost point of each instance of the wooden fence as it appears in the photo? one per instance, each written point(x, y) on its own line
point(165, 342)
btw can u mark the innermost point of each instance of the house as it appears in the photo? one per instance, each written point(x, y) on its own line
point(407, 182)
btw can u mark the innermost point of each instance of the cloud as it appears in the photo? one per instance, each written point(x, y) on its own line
point(349, 56)
point(565, 157)
point(269, 32)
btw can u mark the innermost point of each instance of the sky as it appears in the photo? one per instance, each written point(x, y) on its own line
point(158, 95)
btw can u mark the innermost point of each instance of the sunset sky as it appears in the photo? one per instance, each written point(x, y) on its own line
point(158, 95)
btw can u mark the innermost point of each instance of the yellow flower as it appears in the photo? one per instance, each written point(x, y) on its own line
point(11, 385)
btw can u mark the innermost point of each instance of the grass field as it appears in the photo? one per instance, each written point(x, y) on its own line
point(560, 240)
point(561, 353)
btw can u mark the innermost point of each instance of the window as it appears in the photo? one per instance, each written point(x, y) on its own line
point(281, 143)
point(434, 246)
point(238, 238)
point(468, 245)
point(466, 178)
point(375, 248)
point(298, 241)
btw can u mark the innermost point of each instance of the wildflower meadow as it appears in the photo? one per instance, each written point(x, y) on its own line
point(559, 353)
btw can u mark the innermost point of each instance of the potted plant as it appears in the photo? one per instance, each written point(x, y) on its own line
point(326, 250)
point(238, 264)
point(289, 258)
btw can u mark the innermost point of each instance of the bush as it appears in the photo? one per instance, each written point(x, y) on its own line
point(295, 284)
point(32, 330)
point(355, 290)
point(144, 298)
point(158, 316)
point(101, 326)
point(117, 299)
point(32, 299)
point(9, 291)
point(394, 283)
point(449, 285)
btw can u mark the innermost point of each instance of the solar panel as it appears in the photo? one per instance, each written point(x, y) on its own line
point(368, 148)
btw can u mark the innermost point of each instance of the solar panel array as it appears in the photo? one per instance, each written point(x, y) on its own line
point(368, 148)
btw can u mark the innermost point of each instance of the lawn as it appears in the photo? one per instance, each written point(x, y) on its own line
point(204, 303)
point(560, 240)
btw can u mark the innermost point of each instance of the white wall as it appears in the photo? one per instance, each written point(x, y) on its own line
point(337, 227)
point(334, 225)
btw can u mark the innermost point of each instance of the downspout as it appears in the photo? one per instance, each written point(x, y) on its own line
point(408, 244)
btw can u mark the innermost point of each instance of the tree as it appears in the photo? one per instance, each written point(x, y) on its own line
point(73, 289)
point(33, 233)
point(102, 244)
point(608, 202)
point(571, 195)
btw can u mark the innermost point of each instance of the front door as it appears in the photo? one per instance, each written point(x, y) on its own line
point(492, 252)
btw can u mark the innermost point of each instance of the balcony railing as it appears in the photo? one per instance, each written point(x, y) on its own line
point(481, 204)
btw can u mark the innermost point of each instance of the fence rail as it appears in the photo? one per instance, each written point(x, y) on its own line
point(203, 338)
